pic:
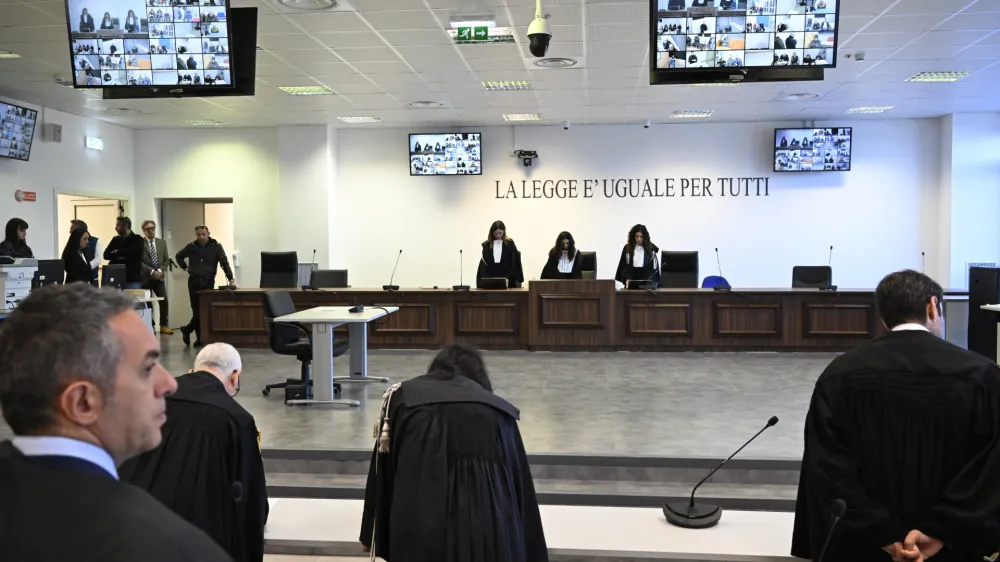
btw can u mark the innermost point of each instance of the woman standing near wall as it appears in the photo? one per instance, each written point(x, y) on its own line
point(500, 257)
point(638, 263)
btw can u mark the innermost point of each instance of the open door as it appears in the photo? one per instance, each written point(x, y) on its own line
point(179, 218)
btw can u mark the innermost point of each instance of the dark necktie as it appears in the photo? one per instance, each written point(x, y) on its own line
point(152, 254)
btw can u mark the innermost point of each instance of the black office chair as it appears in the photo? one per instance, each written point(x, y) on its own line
point(588, 264)
point(279, 270)
point(679, 270)
point(518, 272)
point(329, 279)
point(812, 276)
point(292, 339)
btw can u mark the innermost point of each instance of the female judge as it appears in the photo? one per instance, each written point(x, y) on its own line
point(131, 22)
point(74, 262)
point(562, 262)
point(500, 257)
point(106, 22)
point(86, 22)
point(638, 261)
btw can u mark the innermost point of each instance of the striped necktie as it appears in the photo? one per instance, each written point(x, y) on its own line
point(152, 253)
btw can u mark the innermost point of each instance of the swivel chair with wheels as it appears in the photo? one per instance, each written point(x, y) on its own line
point(292, 339)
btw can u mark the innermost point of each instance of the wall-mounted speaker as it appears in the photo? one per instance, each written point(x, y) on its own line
point(52, 132)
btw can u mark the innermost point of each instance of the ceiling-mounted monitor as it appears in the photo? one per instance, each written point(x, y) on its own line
point(816, 149)
point(696, 41)
point(148, 43)
point(17, 129)
point(446, 154)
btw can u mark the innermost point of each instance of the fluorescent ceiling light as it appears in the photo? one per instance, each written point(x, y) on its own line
point(507, 85)
point(521, 117)
point(472, 21)
point(209, 123)
point(871, 109)
point(307, 90)
point(949, 76)
point(692, 114)
point(9, 55)
point(360, 119)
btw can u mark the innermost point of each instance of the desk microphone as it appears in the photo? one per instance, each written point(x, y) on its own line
point(314, 256)
point(829, 261)
point(837, 509)
point(461, 274)
point(310, 286)
point(718, 262)
point(692, 515)
point(390, 286)
point(923, 262)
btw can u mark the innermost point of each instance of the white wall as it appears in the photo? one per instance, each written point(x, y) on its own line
point(879, 216)
point(305, 184)
point(66, 167)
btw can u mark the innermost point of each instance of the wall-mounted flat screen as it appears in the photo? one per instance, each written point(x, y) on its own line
point(812, 150)
point(149, 43)
point(720, 34)
point(448, 154)
point(17, 129)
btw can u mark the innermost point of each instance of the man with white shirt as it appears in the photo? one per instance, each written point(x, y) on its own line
point(93, 252)
point(82, 388)
point(906, 430)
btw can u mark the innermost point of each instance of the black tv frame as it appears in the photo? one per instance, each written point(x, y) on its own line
point(775, 149)
point(410, 144)
point(712, 75)
point(31, 143)
point(229, 37)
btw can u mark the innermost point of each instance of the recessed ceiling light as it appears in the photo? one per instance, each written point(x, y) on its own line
point(310, 4)
point(9, 55)
point(507, 85)
point(424, 104)
point(871, 109)
point(804, 96)
point(692, 114)
point(521, 117)
point(307, 90)
point(360, 119)
point(204, 123)
point(949, 76)
point(555, 62)
point(723, 84)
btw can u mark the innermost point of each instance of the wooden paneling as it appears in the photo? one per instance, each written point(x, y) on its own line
point(571, 314)
point(838, 320)
point(571, 311)
point(235, 318)
point(747, 319)
point(416, 319)
point(669, 319)
point(485, 318)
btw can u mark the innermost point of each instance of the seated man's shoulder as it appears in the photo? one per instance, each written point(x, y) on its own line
point(152, 528)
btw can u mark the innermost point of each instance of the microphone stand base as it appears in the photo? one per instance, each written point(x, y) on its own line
point(697, 516)
point(390, 287)
point(460, 288)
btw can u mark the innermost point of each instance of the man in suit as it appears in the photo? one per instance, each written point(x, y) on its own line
point(82, 389)
point(153, 277)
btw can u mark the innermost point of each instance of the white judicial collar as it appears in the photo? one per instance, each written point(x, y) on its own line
point(497, 250)
point(639, 257)
point(40, 446)
point(911, 327)
point(566, 264)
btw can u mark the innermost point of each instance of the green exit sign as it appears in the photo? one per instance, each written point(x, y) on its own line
point(481, 33)
point(464, 34)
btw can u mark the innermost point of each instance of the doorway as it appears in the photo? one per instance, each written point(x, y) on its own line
point(99, 213)
point(178, 217)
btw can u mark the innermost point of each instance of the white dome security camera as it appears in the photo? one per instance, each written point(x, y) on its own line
point(646, 124)
point(566, 125)
point(538, 32)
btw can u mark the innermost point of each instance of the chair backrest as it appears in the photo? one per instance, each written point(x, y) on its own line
point(279, 303)
point(588, 264)
point(714, 281)
point(679, 270)
point(329, 278)
point(811, 276)
point(279, 270)
point(518, 271)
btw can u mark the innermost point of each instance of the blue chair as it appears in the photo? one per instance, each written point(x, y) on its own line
point(713, 281)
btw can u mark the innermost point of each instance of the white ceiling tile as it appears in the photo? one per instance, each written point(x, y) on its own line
point(495, 51)
point(418, 37)
point(849, 25)
point(275, 24)
point(568, 33)
point(565, 14)
point(269, 70)
point(616, 32)
point(288, 41)
point(983, 6)
point(386, 22)
point(350, 40)
point(378, 101)
point(972, 22)
point(877, 40)
point(936, 7)
point(306, 56)
point(923, 53)
point(359, 81)
point(326, 68)
point(329, 22)
point(381, 67)
point(492, 65)
point(899, 24)
point(386, 5)
point(369, 54)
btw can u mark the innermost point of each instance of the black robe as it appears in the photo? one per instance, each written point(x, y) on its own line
point(455, 485)
point(62, 508)
point(906, 430)
point(551, 269)
point(509, 265)
point(627, 271)
point(208, 469)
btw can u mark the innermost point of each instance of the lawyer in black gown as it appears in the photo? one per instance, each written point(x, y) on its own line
point(639, 261)
point(208, 469)
point(906, 430)
point(500, 257)
point(563, 262)
point(449, 479)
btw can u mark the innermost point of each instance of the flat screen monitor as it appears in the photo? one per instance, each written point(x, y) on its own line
point(113, 277)
point(741, 35)
point(17, 129)
point(144, 43)
point(812, 150)
point(447, 154)
point(49, 272)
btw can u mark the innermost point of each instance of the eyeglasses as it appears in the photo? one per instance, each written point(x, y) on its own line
point(147, 228)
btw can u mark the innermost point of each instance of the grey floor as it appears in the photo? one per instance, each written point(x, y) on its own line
point(677, 404)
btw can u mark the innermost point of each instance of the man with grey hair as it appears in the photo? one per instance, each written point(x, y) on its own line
point(83, 390)
point(209, 469)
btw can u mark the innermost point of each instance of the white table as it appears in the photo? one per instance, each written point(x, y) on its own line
point(155, 301)
point(323, 320)
point(995, 309)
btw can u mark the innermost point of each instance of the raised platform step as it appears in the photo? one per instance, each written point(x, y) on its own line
point(584, 480)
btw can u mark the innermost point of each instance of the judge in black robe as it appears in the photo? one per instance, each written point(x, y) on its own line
point(906, 430)
point(563, 262)
point(500, 257)
point(208, 469)
point(642, 269)
point(449, 479)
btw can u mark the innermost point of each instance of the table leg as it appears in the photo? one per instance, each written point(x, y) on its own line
point(322, 369)
point(359, 355)
point(156, 317)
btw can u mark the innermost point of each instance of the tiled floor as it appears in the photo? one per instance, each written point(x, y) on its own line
point(689, 404)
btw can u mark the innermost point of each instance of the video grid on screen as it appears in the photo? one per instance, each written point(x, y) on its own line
point(146, 43)
point(17, 129)
point(745, 33)
point(450, 154)
point(812, 150)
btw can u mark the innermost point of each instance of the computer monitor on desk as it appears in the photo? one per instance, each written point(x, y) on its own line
point(679, 270)
point(113, 277)
point(50, 272)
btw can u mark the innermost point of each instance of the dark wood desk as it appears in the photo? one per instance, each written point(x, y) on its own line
point(583, 315)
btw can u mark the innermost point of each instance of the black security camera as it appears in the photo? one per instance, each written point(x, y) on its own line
point(538, 32)
point(526, 156)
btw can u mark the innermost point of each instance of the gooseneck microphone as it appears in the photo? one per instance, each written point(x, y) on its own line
point(837, 509)
point(461, 274)
point(721, 287)
point(311, 286)
point(923, 262)
point(314, 256)
point(691, 515)
point(829, 283)
point(829, 261)
point(390, 286)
